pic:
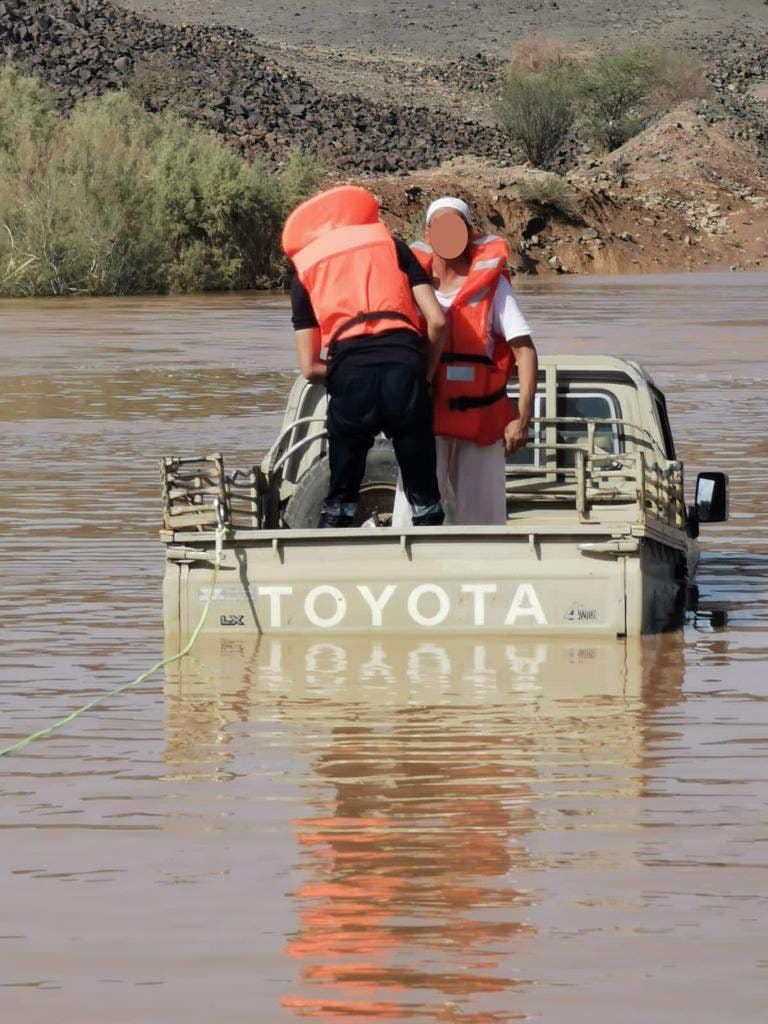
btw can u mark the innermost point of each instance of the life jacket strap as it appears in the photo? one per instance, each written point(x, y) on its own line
point(466, 357)
point(463, 402)
point(364, 318)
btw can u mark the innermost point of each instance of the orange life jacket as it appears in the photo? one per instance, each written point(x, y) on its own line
point(346, 259)
point(470, 387)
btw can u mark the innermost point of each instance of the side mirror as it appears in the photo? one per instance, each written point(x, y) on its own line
point(712, 497)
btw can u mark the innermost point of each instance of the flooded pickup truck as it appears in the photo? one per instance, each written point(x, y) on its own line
point(598, 538)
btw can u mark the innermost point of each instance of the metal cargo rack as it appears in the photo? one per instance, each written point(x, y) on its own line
point(192, 486)
point(641, 478)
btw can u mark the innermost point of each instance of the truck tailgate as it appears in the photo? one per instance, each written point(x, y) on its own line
point(470, 580)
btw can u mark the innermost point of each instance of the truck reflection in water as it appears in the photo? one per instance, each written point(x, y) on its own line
point(423, 823)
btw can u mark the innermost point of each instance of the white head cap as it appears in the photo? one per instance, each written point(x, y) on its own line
point(449, 203)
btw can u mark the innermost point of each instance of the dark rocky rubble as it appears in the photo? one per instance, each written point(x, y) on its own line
point(735, 65)
point(218, 78)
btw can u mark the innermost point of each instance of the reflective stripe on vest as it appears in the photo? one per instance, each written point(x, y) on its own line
point(345, 239)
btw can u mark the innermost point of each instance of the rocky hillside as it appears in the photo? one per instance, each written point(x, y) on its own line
point(223, 81)
point(690, 192)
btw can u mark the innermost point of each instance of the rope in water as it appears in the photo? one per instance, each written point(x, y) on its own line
point(42, 733)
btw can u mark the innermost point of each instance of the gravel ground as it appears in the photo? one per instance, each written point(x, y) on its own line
point(447, 28)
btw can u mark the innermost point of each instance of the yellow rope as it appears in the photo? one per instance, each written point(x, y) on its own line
point(41, 733)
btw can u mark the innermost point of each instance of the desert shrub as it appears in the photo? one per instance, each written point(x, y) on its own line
point(538, 112)
point(619, 93)
point(114, 200)
point(548, 192)
point(614, 90)
point(26, 111)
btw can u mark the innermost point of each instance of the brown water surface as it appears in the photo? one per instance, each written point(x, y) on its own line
point(423, 829)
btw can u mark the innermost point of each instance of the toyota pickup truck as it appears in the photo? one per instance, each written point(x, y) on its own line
point(598, 539)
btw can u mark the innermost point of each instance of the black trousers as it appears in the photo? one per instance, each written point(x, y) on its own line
point(365, 399)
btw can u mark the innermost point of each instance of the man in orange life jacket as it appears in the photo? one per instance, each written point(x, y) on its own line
point(358, 299)
point(474, 419)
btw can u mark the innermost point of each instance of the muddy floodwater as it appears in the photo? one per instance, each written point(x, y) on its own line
point(420, 829)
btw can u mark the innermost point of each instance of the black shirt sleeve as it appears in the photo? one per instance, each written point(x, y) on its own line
point(409, 265)
point(302, 314)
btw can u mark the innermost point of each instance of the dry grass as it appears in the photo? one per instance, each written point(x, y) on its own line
point(535, 55)
point(549, 192)
point(680, 76)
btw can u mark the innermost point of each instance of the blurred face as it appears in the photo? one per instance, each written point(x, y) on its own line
point(448, 234)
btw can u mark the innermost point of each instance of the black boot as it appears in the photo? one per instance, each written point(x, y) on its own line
point(333, 520)
point(432, 519)
point(427, 515)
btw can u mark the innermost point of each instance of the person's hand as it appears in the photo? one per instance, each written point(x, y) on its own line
point(516, 435)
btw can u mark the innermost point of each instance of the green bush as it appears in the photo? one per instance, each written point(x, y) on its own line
point(114, 200)
point(538, 112)
point(622, 92)
point(614, 90)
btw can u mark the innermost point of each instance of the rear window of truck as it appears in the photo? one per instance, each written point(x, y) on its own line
point(577, 403)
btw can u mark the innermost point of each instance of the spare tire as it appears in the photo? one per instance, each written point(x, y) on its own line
point(377, 491)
